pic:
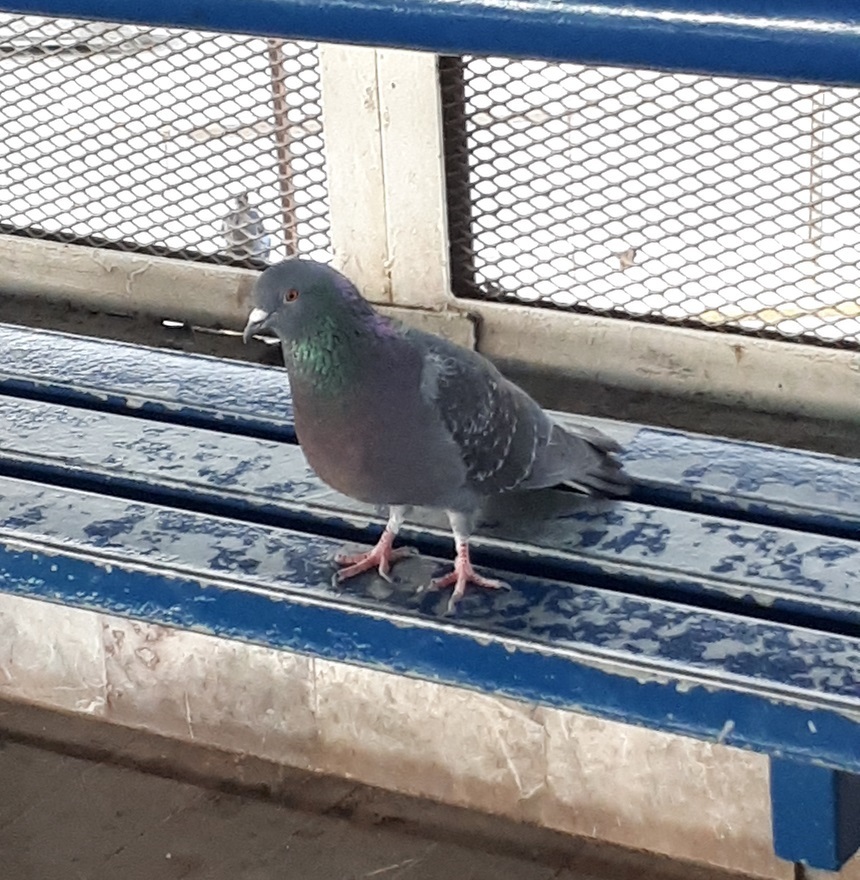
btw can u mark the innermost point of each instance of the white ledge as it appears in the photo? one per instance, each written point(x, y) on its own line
point(761, 374)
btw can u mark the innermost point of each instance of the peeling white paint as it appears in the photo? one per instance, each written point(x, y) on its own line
point(725, 731)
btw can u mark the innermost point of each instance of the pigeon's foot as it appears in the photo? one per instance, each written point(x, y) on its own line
point(463, 575)
point(381, 557)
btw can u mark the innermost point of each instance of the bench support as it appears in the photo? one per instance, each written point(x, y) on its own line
point(816, 814)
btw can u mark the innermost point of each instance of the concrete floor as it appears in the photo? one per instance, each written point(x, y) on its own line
point(64, 817)
point(80, 800)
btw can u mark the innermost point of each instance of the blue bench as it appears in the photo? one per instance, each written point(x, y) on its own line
point(721, 601)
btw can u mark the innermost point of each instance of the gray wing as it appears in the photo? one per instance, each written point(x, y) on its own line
point(506, 440)
point(496, 426)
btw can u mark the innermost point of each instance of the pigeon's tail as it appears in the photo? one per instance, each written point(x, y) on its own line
point(583, 459)
point(608, 480)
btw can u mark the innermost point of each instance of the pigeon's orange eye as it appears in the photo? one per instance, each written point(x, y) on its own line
point(291, 295)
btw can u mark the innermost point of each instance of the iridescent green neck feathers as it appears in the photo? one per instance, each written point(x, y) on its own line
point(324, 358)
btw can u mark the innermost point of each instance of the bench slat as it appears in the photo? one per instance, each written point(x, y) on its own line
point(699, 559)
point(747, 481)
point(156, 383)
point(711, 675)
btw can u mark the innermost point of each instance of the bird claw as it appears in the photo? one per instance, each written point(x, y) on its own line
point(463, 575)
point(381, 557)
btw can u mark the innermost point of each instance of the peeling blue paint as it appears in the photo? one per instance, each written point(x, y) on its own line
point(626, 546)
point(624, 657)
point(713, 476)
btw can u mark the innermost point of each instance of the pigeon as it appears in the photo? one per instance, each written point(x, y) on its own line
point(244, 232)
point(399, 418)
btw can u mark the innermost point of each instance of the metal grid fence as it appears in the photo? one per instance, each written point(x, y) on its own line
point(193, 144)
point(721, 202)
point(714, 201)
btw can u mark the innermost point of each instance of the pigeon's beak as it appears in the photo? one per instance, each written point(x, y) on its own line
point(256, 321)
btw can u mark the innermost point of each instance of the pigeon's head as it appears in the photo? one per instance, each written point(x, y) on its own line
point(294, 298)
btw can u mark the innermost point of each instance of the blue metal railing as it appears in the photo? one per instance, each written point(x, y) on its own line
point(796, 40)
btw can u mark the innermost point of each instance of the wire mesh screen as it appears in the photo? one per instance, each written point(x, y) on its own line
point(194, 144)
point(716, 201)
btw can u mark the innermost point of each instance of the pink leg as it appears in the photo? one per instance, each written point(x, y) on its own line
point(381, 557)
point(462, 575)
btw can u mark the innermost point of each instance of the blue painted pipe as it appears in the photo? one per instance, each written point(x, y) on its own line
point(815, 812)
point(797, 40)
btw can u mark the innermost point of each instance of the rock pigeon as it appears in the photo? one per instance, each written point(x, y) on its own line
point(244, 232)
point(396, 417)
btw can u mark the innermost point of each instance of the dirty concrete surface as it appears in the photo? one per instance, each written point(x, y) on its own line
point(84, 800)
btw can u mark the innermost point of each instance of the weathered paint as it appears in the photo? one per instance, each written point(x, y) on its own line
point(816, 814)
point(622, 545)
point(154, 383)
point(784, 690)
point(746, 481)
point(803, 40)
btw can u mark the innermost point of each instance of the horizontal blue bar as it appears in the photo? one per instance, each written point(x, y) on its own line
point(767, 571)
point(798, 40)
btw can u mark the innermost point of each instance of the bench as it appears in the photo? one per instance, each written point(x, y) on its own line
point(721, 601)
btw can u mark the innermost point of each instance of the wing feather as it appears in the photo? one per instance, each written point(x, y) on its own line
point(496, 426)
point(505, 439)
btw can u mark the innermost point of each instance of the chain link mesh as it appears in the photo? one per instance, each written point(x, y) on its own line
point(714, 201)
point(192, 144)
